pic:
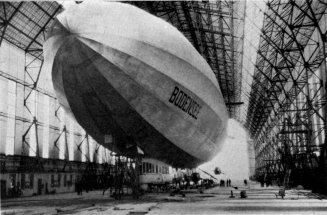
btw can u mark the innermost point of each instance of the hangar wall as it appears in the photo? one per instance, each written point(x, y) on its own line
point(33, 126)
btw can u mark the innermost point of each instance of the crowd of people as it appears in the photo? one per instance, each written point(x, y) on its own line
point(227, 184)
point(112, 183)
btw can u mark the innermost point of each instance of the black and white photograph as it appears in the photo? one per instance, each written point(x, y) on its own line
point(163, 107)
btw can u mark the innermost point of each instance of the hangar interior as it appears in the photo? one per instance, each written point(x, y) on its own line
point(269, 59)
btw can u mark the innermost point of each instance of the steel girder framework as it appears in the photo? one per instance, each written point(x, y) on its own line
point(286, 105)
point(24, 24)
point(215, 29)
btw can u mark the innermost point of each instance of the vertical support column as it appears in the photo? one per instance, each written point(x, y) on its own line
point(71, 139)
point(19, 124)
point(33, 68)
point(232, 47)
point(251, 152)
point(323, 70)
point(87, 149)
point(308, 106)
point(138, 163)
point(53, 152)
point(46, 129)
point(39, 129)
point(81, 155)
point(77, 148)
point(11, 113)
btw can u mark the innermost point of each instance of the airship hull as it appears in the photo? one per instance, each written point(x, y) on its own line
point(140, 93)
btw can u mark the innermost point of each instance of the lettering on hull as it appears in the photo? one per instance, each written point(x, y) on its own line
point(184, 102)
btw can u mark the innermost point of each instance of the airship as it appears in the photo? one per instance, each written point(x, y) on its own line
point(131, 76)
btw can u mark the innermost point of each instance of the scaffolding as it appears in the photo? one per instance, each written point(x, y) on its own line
point(286, 114)
point(24, 25)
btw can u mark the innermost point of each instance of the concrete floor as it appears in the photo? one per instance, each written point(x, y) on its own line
point(212, 201)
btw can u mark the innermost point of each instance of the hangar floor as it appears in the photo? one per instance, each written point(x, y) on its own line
point(212, 201)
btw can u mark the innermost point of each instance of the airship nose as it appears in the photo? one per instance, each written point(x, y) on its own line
point(57, 29)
